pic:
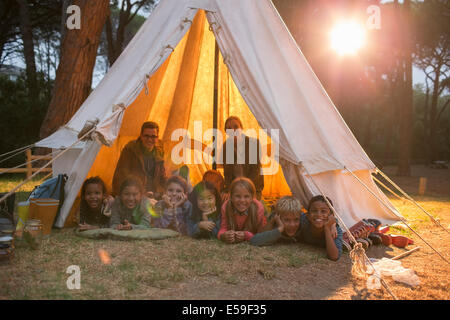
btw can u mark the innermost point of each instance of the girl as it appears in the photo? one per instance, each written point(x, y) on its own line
point(242, 214)
point(131, 208)
point(95, 207)
point(317, 227)
point(204, 221)
point(174, 208)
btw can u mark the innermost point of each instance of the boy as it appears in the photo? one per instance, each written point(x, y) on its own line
point(284, 225)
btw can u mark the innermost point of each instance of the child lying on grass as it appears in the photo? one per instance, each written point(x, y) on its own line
point(95, 206)
point(289, 225)
point(174, 208)
point(130, 209)
point(242, 215)
point(204, 221)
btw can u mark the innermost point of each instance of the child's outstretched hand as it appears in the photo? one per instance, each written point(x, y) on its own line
point(228, 236)
point(331, 225)
point(279, 223)
point(85, 226)
point(206, 225)
point(125, 226)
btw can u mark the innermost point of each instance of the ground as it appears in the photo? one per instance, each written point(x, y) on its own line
point(183, 268)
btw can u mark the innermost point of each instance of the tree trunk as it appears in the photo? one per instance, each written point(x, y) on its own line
point(65, 5)
point(28, 46)
point(406, 105)
point(115, 46)
point(74, 74)
point(433, 123)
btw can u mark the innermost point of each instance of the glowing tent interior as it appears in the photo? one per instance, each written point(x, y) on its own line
point(166, 75)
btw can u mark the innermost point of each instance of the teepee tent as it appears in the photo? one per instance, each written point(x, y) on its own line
point(166, 74)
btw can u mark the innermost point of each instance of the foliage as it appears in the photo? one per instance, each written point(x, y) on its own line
point(20, 118)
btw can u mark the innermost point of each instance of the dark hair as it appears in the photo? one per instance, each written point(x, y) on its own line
point(233, 118)
point(319, 198)
point(132, 181)
point(178, 180)
point(149, 125)
point(214, 177)
point(91, 180)
point(193, 198)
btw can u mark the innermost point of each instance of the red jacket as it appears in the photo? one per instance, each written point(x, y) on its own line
point(241, 219)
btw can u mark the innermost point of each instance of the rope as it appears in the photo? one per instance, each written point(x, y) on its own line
point(45, 178)
point(412, 200)
point(47, 164)
point(357, 254)
point(22, 148)
point(401, 218)
point(384, 186)
point(15, 154)
point(20, 165)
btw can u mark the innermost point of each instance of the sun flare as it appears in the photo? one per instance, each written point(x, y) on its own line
point(347, 37)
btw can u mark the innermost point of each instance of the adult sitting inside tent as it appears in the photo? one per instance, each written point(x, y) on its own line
point(143, 158)
point(243, 148)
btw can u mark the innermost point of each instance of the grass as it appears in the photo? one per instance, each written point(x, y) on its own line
point(155, 269)
point(137, 268)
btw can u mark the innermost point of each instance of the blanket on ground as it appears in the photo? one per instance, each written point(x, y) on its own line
point(108, 233)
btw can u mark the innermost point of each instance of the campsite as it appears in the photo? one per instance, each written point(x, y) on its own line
point(194, 73)
point(185, 269)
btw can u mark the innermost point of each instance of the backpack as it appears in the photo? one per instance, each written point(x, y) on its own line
point(52, 188)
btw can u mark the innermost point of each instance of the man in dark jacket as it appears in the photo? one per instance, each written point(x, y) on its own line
point(143, 158)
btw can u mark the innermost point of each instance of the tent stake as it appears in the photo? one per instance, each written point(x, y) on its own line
point(404, 254)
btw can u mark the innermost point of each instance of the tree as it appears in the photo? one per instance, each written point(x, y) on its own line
point(9, 21)
point(406, 105)
point(432, 56)
point(74, 74)
point(116, 36)
point(28, 46)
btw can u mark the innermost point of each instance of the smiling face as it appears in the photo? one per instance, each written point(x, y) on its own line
point(206, 201)
point(318, 214)
point(149, 137)
point(175, 192)
point(241, 198)
point(94, 196)
point(291, 221)
point(131, 196)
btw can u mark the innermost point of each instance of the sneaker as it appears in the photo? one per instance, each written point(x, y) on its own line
point(385, 238)
point(376, 239)
point(364, 243)
point(399, 241)
point(346, 246)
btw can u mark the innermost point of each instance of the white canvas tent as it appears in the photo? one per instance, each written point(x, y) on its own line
point(166, 74)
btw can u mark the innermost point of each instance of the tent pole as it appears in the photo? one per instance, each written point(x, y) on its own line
point(216, 100)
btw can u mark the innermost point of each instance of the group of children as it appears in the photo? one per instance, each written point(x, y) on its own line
point(206, 212)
